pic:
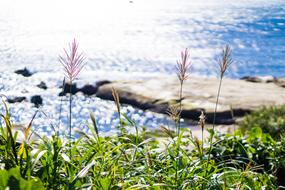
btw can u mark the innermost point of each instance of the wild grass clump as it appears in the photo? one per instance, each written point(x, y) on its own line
point(270, 119)
point(134, 161)
point(137, 161)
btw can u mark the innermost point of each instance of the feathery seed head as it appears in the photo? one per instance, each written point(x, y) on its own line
point(226, 60)
point(183, 65)
point(174, 113)
point(72, 61)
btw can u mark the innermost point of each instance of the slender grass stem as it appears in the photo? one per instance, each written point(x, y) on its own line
point(70, 116)
point(178, 130)
point(214, 121)
point(202, 145)
point(182, 67)
point(217, 102)
point(180, 107)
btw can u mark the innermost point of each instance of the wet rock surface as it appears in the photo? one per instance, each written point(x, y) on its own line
point(13, 100)
point(24, 72)
point(42, 85)
point(37, 100)
point(238, 97)
point(67, 88)
point(102, 82)
point(87, 89)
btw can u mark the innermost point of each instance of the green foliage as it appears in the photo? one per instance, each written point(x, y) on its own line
point(140, 161)
point(12, 179)
point(271, 120)
point(256, 150)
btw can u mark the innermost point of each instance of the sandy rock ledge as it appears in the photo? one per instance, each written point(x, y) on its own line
point(238, 97)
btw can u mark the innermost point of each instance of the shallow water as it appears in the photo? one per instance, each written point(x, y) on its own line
point(142, 38)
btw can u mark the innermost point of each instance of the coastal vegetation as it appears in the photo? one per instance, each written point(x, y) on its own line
point(252, 159)
point(270, 119)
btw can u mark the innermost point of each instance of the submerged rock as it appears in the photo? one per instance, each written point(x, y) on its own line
point(66, 89)
point(24, 72)
point(12, 100)
point(42, 85)
point(37, 100)
point(238, 97)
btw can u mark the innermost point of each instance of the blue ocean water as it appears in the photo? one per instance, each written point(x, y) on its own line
point(143, 38)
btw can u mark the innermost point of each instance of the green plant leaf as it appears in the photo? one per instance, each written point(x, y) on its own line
point(4, 176)
point(84, 171)
point(40, 154)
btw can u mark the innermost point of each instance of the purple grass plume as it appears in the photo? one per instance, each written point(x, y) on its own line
point(183, 65)
point(72, 61)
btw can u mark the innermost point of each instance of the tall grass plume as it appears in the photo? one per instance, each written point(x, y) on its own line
point(182, 68)
point(73, 62)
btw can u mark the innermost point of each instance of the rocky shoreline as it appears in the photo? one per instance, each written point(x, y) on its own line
point(238, 97)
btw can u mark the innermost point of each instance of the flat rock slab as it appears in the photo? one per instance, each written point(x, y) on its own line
point(280, 82)
point(237, 98)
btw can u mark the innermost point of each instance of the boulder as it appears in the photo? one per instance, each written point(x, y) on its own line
point(88, 89)
point(126, 97)
point(37, 100)
point(42, 85)
point(12, 100)
point(66, 89)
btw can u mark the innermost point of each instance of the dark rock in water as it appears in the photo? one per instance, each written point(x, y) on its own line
point(251, 79)
point(12, 100)
point(66, 89)
point(257, 79)
point(37, 100)
point(88, 89)
point(102, 82)
point(42, 85)
point(24, 72)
